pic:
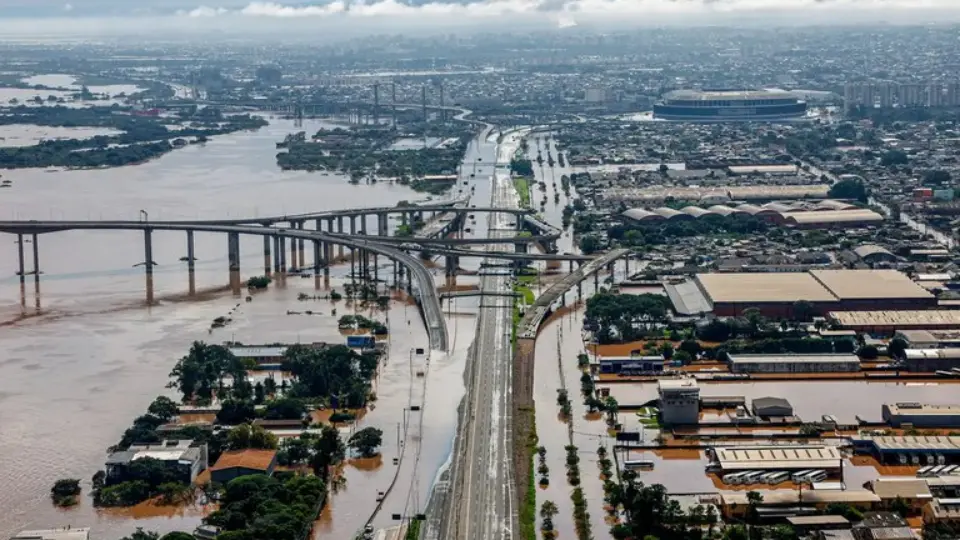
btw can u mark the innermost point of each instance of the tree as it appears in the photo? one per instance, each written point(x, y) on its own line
point(285, 409)
point(850, 189)
point(590, 244)
point(868, 352)
point(611, 407)
point(65, 491)
point(366, 441)
point(259, 394)
point(234, 412)
point(328, 450)
point(901, 507)
point(803, 310)
point(178, 535)
point(163, 408)
point(140, 534)
point(897, 347)
point(247, 436)
point(683, 357)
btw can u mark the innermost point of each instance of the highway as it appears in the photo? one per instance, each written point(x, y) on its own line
point(424, 290)
point(481, 502)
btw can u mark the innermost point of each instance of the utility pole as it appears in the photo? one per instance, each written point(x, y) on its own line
point(443, 113)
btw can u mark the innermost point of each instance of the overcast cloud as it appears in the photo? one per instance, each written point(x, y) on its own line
point(377, 15)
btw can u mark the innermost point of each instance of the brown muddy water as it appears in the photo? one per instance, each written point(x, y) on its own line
point(75, 374)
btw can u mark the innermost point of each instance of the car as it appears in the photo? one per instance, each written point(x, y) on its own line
point(410, 246)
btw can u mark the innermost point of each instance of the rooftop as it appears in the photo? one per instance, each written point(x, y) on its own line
point(924, 409)
point(791, 497)
point(869, 284)
point(817, 520)
point(907, 488)
point(763, 287)
point(678, 384)
point(778, 457)
point(727, 94)
point(258, 460)
point(900, 319)
point(79, 533)
point(803, 358)
point(930, 443)
point(257, 352)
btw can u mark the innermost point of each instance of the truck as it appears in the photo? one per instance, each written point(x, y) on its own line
point(364, 341)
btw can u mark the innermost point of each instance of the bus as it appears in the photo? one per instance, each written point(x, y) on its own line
point(732, 477)
point(778, 477)
point(799, 474)
point(812, 478)
point(923, 472)
point(750, 478)
point(949, 470)
point(634, 464)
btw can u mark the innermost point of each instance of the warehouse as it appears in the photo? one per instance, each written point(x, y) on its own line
point(826, 219)
point(769, 407)
point(932, 360)
point(781, 457)
point(921, 415)
point(794, 363)
point(773, 293)
point(736, 504)
point(858, 290)
point(907, 449)
point(930, 339)
point(631, 365)
point(888, 322)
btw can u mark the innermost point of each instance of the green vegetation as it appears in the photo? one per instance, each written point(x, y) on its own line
point(528, 509)
point(616, 317)
point(563, 400)
point(246, 436)
point(527, 294)
point(362, 323)
point(663, 233)
point(522, 186)
point(334, 373)
point(200, 374)
point(65, 492)
point(143, 138)
point(413, 530)
point(143, 479)
point(547, 511)
point(521, 167)
point(258, 282)
point(258, 507)
point(366, 442)
point(849, 189)
point(651, 513)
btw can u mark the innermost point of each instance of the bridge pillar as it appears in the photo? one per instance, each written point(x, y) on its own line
point(148, 263)
point(36, 268)
point(316, 264)
point(376, 270)
point(340, 231)
point(382, 225)
point(327, 257)
point(330, 225)
point(266, 256)
point(300, 248)
point(353, 225)
point(626, 263)
point(233, 258)
point(596, 281)
point(353, 264)
point(276, 254)
point(571, 267)
point(363, 224)
point(283, 256)
point(22, 273)
point(395, 283)
point(319, 225)
point(579, 290)
point(191, 265)
point(293, 250)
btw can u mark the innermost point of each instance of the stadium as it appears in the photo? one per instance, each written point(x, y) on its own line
point(729, 105)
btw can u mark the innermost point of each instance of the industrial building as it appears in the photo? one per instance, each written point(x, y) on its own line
point(942, 511)
point(887, 322)
point(930, 339)
point(794, 363)
point(776, 293)
point(780, 457)
point(906, 449)
point(823, 215)
point(921, 415)
point(631, 365)
point(729, 106)
point(771, 407)
point(184, 457)
point(679, 401)
point(932, 360)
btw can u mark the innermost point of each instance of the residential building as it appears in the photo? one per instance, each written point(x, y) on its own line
point(186, 458)
point(921, 415)
point(238, 463)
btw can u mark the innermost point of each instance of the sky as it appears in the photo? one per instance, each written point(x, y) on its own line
point(106, 16)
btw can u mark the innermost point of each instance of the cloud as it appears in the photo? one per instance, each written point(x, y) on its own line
point(601, 9)
point(203, 12)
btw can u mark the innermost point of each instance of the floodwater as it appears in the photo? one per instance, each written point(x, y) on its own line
point(61, 80)
point(78, 370)
point(30, 135)
point(811, 399)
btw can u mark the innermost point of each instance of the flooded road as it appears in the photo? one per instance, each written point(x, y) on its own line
point(73, 378)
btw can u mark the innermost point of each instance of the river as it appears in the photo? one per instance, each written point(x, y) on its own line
point(91, 357)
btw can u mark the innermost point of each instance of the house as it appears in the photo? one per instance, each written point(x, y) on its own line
point(913, 491)
point(65, 533)
point(238, 463)
point(187, 458)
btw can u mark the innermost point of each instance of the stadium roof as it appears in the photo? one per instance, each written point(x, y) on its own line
point(834, 216)
point(763, 287)
point(869, 284)
point(710, 95)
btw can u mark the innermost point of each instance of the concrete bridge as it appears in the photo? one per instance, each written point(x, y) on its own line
point(275, 238)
